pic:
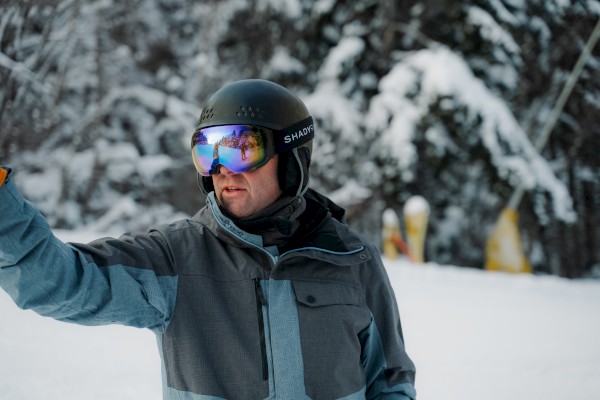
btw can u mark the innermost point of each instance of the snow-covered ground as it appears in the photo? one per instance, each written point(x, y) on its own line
point(474, 335)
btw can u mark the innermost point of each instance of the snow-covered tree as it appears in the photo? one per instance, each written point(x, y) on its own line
point(436, 98)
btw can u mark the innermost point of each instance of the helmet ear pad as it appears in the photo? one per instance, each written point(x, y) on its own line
point(293, 170)
point(206, 184)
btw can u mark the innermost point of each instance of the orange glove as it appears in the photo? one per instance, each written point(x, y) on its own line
point(3, 175)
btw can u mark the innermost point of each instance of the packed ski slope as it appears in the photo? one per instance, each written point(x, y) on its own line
point(473, 335)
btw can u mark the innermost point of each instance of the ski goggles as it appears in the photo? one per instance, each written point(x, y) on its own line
point(243, 148)
point(240, 148)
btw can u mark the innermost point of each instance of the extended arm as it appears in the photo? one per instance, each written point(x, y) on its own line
point(107, 281)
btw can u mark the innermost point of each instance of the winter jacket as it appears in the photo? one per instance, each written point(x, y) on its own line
point(234, 320)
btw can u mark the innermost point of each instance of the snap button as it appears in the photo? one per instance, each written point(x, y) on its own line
point(310, 299)
point(363, 256)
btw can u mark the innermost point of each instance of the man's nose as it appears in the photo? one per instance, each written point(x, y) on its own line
point(225, 171)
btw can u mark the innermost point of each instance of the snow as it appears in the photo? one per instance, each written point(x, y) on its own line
point(491, 30)
point(351, 193)
point(322, 7)
point(347, 51)
point(150, 166)
point(483, 335)
point(334, 108)
point(282, 61)
point(402, 102)
point(472, 334)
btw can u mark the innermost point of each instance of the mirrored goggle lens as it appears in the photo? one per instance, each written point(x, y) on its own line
point(240, 148)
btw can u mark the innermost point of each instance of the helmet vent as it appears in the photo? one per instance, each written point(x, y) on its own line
point(207, 114)
point(252, 112)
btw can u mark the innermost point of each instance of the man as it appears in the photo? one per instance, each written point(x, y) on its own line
point(264, 293)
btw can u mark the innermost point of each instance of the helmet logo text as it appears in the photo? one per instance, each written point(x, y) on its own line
point(299, 134)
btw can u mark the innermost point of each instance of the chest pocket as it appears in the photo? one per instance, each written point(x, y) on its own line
point(318, 294)
point(331, 315)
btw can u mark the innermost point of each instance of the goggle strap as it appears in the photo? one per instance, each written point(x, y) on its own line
point(294, 136)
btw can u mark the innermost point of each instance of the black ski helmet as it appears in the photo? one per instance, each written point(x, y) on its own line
point(266, 104)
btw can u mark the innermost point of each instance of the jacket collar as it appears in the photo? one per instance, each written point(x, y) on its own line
point(321, 228)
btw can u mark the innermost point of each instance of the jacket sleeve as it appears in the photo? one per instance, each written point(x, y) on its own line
point(108, 281)
point(390, 373)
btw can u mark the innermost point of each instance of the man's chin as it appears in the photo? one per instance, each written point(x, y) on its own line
point(235, 210)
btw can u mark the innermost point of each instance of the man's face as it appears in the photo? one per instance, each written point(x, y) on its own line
point(247, 193)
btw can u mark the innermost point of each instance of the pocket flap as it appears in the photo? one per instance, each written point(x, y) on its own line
point(316, 294)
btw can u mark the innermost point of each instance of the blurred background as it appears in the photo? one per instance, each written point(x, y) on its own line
point(451, 101)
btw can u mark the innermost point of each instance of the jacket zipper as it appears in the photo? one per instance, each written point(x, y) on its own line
point(260, 302)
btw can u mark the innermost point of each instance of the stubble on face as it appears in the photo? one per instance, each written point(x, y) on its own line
point(247, 193)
